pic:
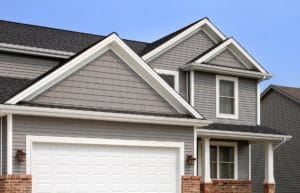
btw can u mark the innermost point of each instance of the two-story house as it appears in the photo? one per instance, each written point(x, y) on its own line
point(89, 113)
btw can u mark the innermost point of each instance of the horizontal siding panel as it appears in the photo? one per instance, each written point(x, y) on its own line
point(24, 66)
point(27, 125)
point(113, 86)
point(183, 52)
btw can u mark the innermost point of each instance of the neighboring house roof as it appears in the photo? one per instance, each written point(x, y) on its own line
point(54, 39)
point(114, 43)
point(243, 128)
point(290, 92)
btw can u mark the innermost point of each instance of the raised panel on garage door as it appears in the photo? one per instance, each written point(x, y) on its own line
point(77, 168)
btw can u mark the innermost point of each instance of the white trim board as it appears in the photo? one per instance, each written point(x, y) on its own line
point(225, 70)
point(35, 51)
point(237, 50)
point(240, 135)
point(203, 24)
point(103, 116)
point(112, 42)
point(112, 142)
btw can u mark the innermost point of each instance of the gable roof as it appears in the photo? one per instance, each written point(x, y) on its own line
point(290, 92)
point(236, 49)
point(114, 43)
point(158, 47)
point(53, 39)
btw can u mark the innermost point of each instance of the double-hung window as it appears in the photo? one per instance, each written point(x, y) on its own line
point(226, 97)
point(223, 160)
point(171, 77)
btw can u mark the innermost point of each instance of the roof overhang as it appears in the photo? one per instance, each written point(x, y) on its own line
point(102, 116)
point(35, 51)
point(237, 50)
point(210, 29)
point(111, 42)
point(240, 135)
point(225, 70)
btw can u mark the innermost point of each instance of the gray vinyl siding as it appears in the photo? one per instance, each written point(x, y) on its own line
point(183, 52)
point(243, 160)
point(3, 145)
point(24, 66)
point(227, 59)
point(281, 113)
point(205, 99)
point(45, 126)
point(106, 83)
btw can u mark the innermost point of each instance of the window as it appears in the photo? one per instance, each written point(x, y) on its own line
point(223, 160)
point(227, 97)
point(171, 77)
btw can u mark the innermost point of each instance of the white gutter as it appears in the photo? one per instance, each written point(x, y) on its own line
point(241, 135)
point(104, 116)
point(224, 70)
point(35, 51)
point(279, 144)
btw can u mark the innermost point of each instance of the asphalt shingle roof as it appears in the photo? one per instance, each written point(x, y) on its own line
point(243, 128)
point(51, 38)
point(11, 86)
point(290, 92)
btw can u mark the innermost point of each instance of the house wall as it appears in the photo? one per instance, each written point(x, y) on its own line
point(106, 83)
point(3, 145)
point(205, 99)
point(45, 126)
point(283, 114)
point(181, 54)
point(25, 66)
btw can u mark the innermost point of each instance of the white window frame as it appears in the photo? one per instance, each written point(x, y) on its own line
point(172, 73)
point(236, 97)
point(226, 144)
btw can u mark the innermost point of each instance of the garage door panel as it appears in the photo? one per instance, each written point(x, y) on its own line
point(72, 168)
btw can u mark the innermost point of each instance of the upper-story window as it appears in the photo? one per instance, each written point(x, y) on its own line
point(227, 97)
point(170, 76)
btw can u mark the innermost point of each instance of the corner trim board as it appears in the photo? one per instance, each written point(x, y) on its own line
point(9, 143)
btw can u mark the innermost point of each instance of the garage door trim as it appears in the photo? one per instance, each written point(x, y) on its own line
point(96, 141)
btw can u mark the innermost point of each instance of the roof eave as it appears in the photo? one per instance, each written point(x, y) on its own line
point(225, 70)
point(241, 135)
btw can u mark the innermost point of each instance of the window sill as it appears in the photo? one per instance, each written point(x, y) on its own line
point(227, 116)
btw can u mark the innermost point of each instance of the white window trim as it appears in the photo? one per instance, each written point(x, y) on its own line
point(236, 97)
point(171, 73)
point(226, 144)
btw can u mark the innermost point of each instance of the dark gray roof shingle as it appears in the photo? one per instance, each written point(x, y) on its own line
point(11, 86)
point(243, 128)
point(51, 38)
point(290, 92)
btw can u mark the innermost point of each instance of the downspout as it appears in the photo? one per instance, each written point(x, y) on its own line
point(281, 143)
point(1, 155)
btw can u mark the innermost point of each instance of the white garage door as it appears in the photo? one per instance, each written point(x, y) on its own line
point(77, 168)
